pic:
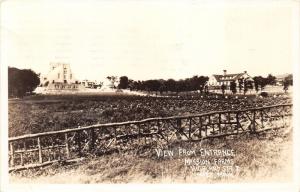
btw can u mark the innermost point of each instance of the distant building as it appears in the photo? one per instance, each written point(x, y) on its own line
point(216, 81)
point(91, 84)
point(280, 78)
point(59, 77)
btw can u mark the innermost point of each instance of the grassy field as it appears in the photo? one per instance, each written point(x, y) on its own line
point(261, 158)
point(47, 113)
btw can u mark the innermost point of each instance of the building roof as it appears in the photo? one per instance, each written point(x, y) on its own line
point(282, 76)
point(228, 77)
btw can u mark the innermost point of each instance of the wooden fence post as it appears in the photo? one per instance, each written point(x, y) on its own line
point(67, 145)
point(206, 130)
point(179, 127)
point(200, 128)
point(190, 127)
point(158, 126)
point(262, 118)
point(254, 122)
point(21, 154)
point(78, 143)
point(115, 132)
point(12, 154)
point(139, 136)
point(145, 138)
point(237, 122)
point(158, 132)
point(93, 140)
point(40, 150)
point(229, 121)
point(22, 159)
point(210, 124)
point(282, 117)
point(219, 124)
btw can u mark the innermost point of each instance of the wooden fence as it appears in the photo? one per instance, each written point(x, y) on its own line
point(44, 148)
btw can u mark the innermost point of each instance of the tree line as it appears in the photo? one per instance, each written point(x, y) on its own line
point(259, 83)
point(198, 83)
point(23, 81)
point(194, 83)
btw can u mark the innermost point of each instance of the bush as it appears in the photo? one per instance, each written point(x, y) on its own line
point(21, 82)
point(264, 94)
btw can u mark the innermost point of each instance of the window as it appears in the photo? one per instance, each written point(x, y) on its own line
point(58, 75)
point(71, 76)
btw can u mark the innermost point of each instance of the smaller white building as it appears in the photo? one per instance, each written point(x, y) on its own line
point(216, 81)
point(91, 84)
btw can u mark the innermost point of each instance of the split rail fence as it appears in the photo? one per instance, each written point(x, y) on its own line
point(45, 148)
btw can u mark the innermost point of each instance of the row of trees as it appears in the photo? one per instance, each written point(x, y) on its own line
point(259, 83)
point(160, 85)
point(243, 85)
point(197, 83)
point(21, 81)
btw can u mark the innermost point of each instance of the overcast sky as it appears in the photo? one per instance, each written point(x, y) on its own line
point(149, 39)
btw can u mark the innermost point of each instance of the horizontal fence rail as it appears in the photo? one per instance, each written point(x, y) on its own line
point(44, 148)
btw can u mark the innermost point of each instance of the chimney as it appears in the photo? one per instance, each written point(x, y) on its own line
point(225, 72)
point(245, 72)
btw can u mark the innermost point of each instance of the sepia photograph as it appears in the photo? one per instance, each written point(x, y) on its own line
point(149, 92)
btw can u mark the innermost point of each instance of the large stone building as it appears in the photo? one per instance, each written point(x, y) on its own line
point(216, 81)
point(60, 77)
